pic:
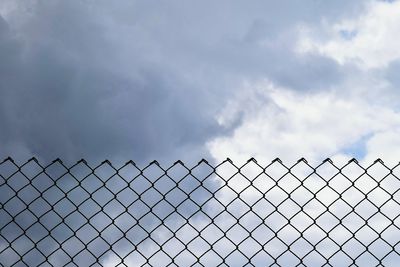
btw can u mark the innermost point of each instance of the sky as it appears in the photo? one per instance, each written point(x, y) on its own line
point(184, 80)
point(143, 81)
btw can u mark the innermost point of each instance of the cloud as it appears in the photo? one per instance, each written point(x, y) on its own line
point(97, 79)
point(348, 113)
point(368, 40)
point(355, 115)
point(277, 121)
point(270, 120)
point(66, 91)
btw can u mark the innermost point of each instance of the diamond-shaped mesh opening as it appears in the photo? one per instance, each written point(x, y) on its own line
point(123, 247)
point(251, 170)
point(354, 248)
point(314, 209)
point(390, 184)
point(28, 194)
point(79, 170)
point(353, 222)
point(366, 235)
point(185, 258)
point(91, 183)
point(17, 182)
point(211, 258)
point(314, 183)
point(367, 259)
point(276, 170)
point(176, 197)
point(14, 206)
point(289, 234)
point(353, 170)
point(236, 258)
point(302, 221)
point(173, 247)
point(98, 247)
point(238, 183)
point(379, 196)
point(75, 220)
point(264, 183)
point(87, 233)
point(365, 184)
point(301, 247)
point(262, 234)
point(301, 170)
point(340, 234)
point(198, 246)
point(289, 208)
point(226, 170)
point(341, 259)
point(39, 207)
point(352, 196)
point(340, 183)
point(205, 215)
point(67, 183)
point(7, 169)
point(380, 248)
point(340, 208)
point(327, 170)
point(262, 258)
point(276, 221)
point(250, 221)
point(378, 171)
point(34, 257)
point(161, 234)
point(42, 182)
point(31, 169)
point(289, 183)
point(126, 197)
point(366, 209)
point(301, 196)
point(277, 196)
point(275, 247)
point(78, 195)
point(104, 171)
point(160, 259)
point(379, 222)
point(327, 247)
point(314, 234)
point(116, 184)
point(288, 259)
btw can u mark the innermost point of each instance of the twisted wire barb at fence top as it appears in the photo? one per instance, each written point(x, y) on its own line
point(205, 215)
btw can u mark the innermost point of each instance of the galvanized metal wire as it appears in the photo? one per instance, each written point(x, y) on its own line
point(202, 215)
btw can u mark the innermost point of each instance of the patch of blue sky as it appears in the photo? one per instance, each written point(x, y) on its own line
point(348, 34)
point(357, 149)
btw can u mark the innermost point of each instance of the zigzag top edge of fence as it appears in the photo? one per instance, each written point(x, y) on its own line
point(211, 163)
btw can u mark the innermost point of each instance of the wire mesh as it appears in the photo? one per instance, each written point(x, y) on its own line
point(203, 215)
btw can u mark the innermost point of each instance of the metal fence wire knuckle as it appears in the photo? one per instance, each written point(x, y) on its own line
point(277, 160)
point(201, 215)
point(327, 160)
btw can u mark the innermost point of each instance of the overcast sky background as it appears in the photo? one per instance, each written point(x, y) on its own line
point(172, 80)
point(186, 80)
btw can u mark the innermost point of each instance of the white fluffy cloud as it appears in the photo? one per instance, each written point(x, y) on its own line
point(289, 124)
point(356, 117)
point(271, 121)
point(370, 40)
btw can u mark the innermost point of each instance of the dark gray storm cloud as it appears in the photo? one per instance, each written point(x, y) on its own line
point(143, 79)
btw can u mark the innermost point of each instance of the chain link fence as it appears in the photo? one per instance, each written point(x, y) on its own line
point(203, 215)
